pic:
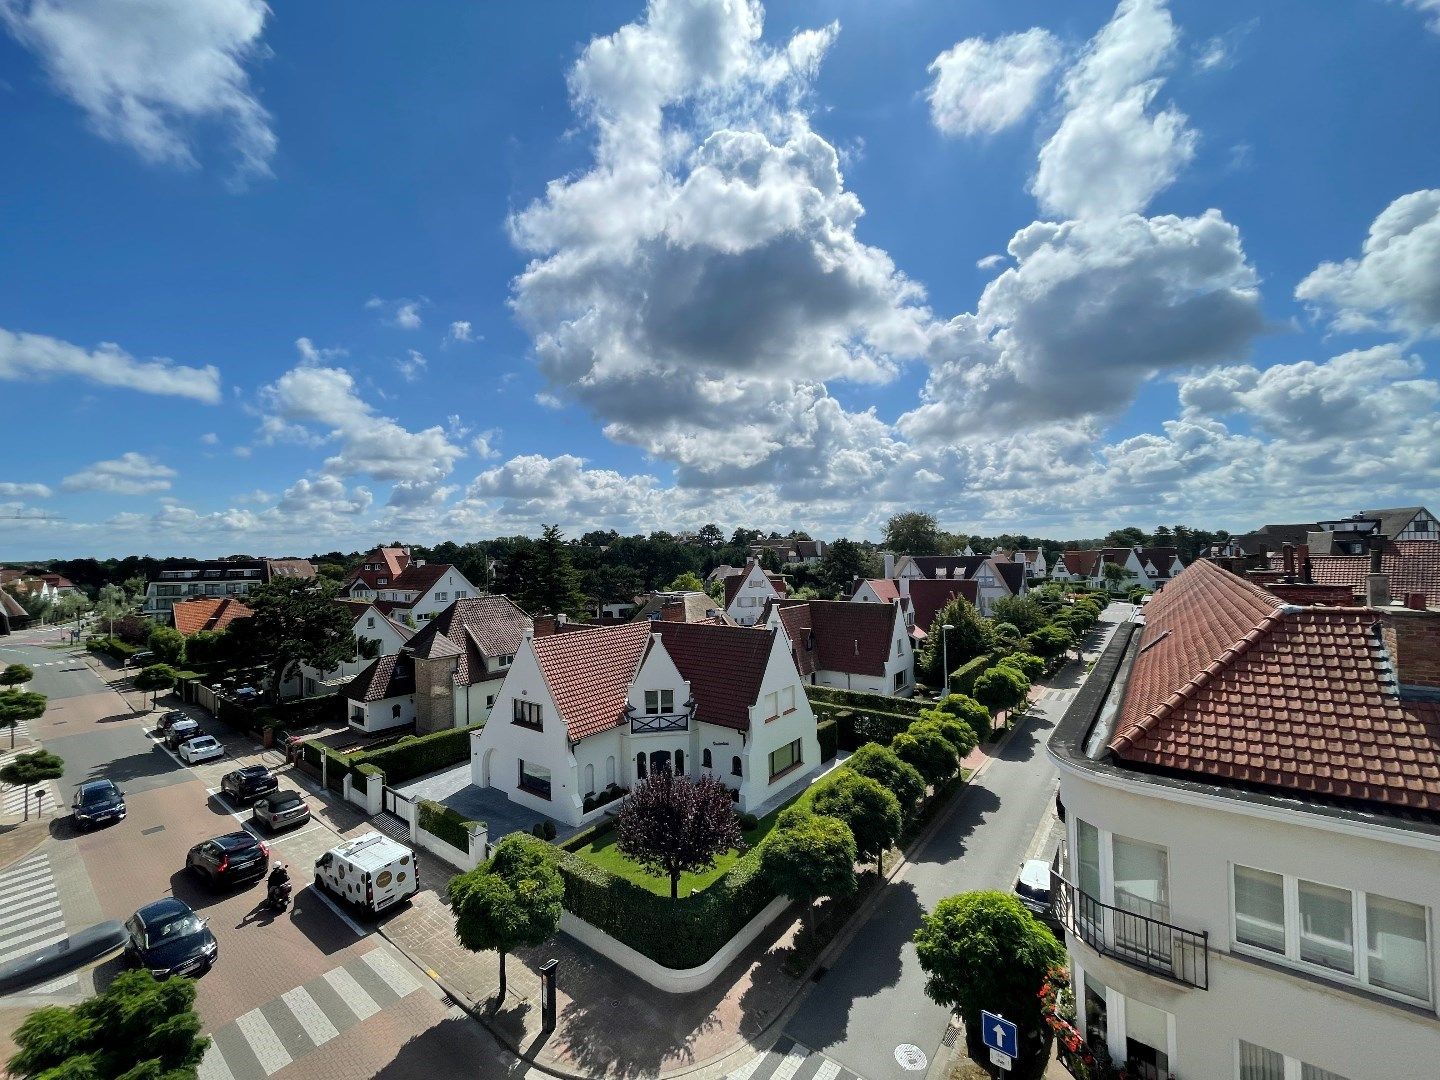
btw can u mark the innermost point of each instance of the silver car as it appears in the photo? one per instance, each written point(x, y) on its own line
point(280, 810)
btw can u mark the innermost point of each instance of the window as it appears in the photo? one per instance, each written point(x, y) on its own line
point(489, 701)
point(659, 701)
point(395, 711)
point(527, 714)
point(370, 622)
point(382, 581)
point(1317, 926)
point(589, 779)
point(640, 766)
point(610, 769)
point(505, 661)
point(787, 700)
point(460, 594)
point(784, 759)
point(707, 761)
point(900, 679)
point(735, 769)
point(1087, 842)
point(1258, 1063)
point(439, 596)
point(535, 779)
point(772, 706)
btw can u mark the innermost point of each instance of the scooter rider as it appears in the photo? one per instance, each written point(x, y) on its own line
point(278, 886)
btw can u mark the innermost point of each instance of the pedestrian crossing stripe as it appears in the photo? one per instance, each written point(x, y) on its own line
point(31, 917)
point(284, 1030)
point(789, 1060)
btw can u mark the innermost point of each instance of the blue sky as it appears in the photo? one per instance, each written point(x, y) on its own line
point(322, 276)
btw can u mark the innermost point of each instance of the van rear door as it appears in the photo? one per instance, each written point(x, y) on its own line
point(392, 882)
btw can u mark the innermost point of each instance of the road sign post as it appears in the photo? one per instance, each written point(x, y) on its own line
point(1002, 1037)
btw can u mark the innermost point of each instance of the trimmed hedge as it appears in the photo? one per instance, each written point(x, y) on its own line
point(416, 755)
point(680, 933)
point(586, 836)
point(855, 727)
point(857, 699)
point(446, 824)
point(113, 646)
point(962, 679)
point(829, 735)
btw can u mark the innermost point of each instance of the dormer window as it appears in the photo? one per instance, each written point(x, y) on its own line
point(659, 702)
point(506, 660)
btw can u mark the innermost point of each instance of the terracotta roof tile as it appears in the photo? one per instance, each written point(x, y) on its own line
point(1411, 566)
point(928, 597)
point(724, 665)
point(589, 673)
point(840, 635)
point(385, 677)
point(474, 627)
point(208, 613)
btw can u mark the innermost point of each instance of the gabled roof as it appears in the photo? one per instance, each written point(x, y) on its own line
point(928, 597)
point(208, 613)
point(842, 636)
point(887, 589)
point(734, 581)
point(385, 677)
point(473, 627)
point(952, 566)
point(1012, 574)
point(1410, 565)
point(12, 607)
point(391, 560)
point(1394, 520)
point(419, 578)
point(357, 608)
point(1162, 558)
point(689, 607)
point(1229, 683)
point(1081, 563)
point(589, 673)
point(282, 568)
point(724, 665)
point(1119, 556)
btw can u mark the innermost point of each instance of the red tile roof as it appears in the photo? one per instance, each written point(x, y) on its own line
point(795, 620)
point(887, 589)
point(208, 613)
point(1081, 563)
point(845, 636)
point(419, 578)
point(1411, 566)
point(724, 665)
point(386, 677)
point(391, 560)
point(1231, 684)
point(928, 597)
point(589, 673)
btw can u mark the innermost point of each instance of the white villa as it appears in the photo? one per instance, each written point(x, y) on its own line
point(747, 593)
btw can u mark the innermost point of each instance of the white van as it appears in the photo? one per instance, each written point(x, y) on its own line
point(372, 871)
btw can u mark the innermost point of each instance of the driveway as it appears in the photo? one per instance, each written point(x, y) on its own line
point(452, 788)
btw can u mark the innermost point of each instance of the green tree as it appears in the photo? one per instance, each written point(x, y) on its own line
point(1028, 664)
point(673, 825)
point(114, 603)
point(1127, 537)
point(871, 813)
point(135, 587)
point(155, 678)
point(689, 581)
point(813, 858)
point(956, 732)
point(912, 533)
point(1114, 574)
point(138, 1029)
point(1050, 641)
point(206, 646)
point(969, 638)
point(710, 535)
point(983, 950)
point(1002, 688)
point(932, 755)
point(881, 764)
point(843, 562)
point(514, 899)
point(33, 768)
point(969, 712)
point(295, 621)
point(1026, 613)
point(17, 706)
point(551, 585)
point(16, 675)
point(168, 644)
point(1005, 634)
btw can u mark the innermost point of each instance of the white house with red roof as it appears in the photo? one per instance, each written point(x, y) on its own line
point(994, 577)
point(851, 646)
point(1251, 782)
point(747, 593)
point(598, 709)
point(415, 594)
point(366, 621)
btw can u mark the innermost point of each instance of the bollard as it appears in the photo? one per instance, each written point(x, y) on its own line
point(547, 983)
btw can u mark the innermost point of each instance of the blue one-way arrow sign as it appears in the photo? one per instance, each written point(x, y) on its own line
point(999, 1034)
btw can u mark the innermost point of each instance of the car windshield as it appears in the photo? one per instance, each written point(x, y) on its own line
point(101, 793)
point(174, 926)
point(285, 802)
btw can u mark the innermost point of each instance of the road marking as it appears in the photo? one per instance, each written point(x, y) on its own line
point(213, 1067)
point(263, 1041)
point(311, 1017)
point(33, 918)
point(352, 993)
point(38, 872)
point(325, 899)
point(32, 893)
point(33, 946)
point(390, 971)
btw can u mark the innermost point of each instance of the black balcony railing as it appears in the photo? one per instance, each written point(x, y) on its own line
point(1132, 936)
point(648, 723)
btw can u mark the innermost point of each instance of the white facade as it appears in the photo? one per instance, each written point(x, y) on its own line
point(1422, 526)
point(372, 716)
point(898, 677)
point(515, 757)
point(370, 624)
point(474, 703)
point(749, 601)
point(1348, 891)
point(1151, 575)
point(420, 605)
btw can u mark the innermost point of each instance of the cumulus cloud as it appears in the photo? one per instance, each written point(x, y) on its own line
point(1428, 8)
point(404, 314)
point(11, 489)
point(129, 474)
point(325, 497)
point(1111, 153)
point(148, 75)
point(460, 330)
point(38, 357)
point(1091, 310)
point(412, 366)
point(707, 262)
point(210, 438)
point(982, 87)
point(1395, 284)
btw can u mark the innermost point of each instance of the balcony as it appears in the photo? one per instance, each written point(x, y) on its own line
point(659, 723)
point(1132, 936)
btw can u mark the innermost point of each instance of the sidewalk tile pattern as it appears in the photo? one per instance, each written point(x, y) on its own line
point(30, 915)
point(12, 797)
point(789, 1060)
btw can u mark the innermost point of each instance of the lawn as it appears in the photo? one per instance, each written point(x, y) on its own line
point(603, 853)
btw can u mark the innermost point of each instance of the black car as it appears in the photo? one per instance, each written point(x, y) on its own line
point(248, 784)
point(168, 720)
point(231, 859)
point(179, 731)
point(170, 939)
point(97, 802)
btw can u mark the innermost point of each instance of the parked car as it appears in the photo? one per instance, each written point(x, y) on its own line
point(232, 859)
point(180, 731)
point(168, 720)
point(1032, 889)
point(170, 939)
point(372, 871)
point(200, 748)
point(247, 784)
point(140, 659)
point(245, 693)
point(280, 810)
point(97, 802)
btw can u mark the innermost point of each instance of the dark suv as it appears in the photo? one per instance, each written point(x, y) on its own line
point(233, 859)
point(97, 802)
point(168, 938)
point(248, 784)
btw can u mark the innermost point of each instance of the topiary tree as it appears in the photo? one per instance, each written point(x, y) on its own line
point(812, 859)
point(870, 811)
point(139, 1029)
point(1001, 688)
point(1026, 613)
point(672, 825)
point(33, 768)
point(168, 644)
point(983, 950)
point(932, 757)
point(155, 678)
point(969, 638)
point(1028, 664)
point(883, 765)
point(17, 706)
point(969, 711)
point(1050, 642)
point(956, 732)
point(513, 899)
point(16, 675)
point(1006, 635)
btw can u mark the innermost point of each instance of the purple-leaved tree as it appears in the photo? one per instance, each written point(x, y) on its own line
point(673, 825)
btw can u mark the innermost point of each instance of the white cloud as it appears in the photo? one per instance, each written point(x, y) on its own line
point(1111, 155)
point(403, 313)
point(412, 366)
point(1395, 284)
point(129, 474)
point(484, 444)
point(310, 353)
point(1430, 8)
point(461, 330)
point(1091, 310)
point(210, 438)
point(149, 74)
point(984, 87)
point(24, 491)
point(989, 262)
point(37, 357)
point(323, 498)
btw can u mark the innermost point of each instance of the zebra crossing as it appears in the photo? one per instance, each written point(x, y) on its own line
point(789, 1060)
point(30, 915)
point(300, 1021)
point(12, 797)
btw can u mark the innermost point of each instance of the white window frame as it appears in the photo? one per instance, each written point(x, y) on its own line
point(1358, 932)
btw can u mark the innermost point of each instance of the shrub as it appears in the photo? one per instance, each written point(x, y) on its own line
point(585, 837)
point(417, 755)
point(748, 822)
point(1028, 664)
point(930, 754)
point(858, 699)
point(829, 735)
point(962, 679)
point(871, 813)
point(968, 711)
point(597, 799)
point(538, 830)
point(446, 824)
point(884, 766)
point(1002, 687)
point(370, 770)
point(550, 830)
point(956, 732)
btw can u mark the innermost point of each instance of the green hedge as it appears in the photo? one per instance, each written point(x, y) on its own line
point(416, 755)
point(113, 646)
point(855, 727)
point(445, 823)
point(585, 836)
point(829, 735)
point(962, 679)
point(857, 699)
point(680, 933)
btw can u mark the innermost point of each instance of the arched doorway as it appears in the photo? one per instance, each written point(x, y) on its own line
point(485, 763)
point(660, 761)
point(640, 766)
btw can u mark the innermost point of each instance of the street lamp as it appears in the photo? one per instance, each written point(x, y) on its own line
point(945, 657)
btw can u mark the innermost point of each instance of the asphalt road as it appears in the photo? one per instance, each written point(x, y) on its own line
point(59, 673)
point(873, 999)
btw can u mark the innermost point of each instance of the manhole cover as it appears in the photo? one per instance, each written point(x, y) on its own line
point(911, 1057)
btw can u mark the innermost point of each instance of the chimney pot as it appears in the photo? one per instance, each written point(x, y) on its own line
point(1288, 550)
point(1377, 549)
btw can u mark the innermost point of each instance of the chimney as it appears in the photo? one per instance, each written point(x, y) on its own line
point(1377, 585)
point(1412, 638)
point(1415, 601)
point(889, 565)
point(1306, 574)
point(1288, 551)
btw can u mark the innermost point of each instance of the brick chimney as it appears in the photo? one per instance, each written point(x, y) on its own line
point(673, 611)
point(1307, 575)
point(1288, 551)
point(1412, 638)
point(1377, 585)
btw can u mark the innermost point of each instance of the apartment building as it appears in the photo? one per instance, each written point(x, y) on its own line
point(233, 578)
point(1251, 873)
